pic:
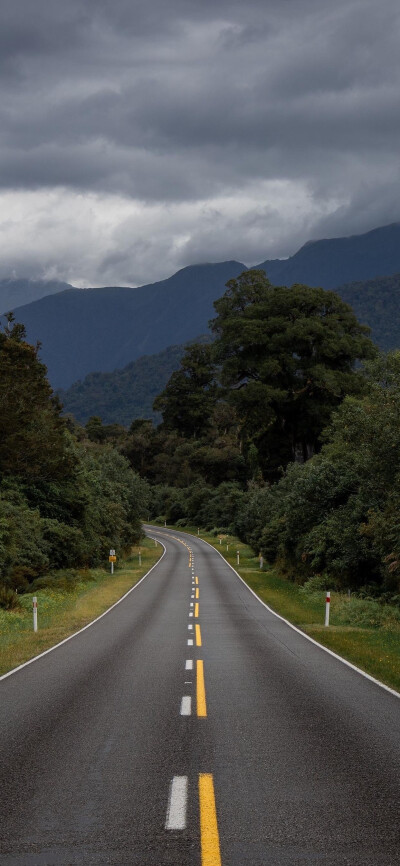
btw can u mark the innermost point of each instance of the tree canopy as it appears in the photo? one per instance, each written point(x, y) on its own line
point(287, 358)
point(65, 498)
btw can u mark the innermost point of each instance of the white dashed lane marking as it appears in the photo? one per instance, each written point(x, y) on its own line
point(186, 706)
point(177, 804)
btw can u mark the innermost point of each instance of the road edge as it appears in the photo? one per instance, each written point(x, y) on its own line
point(66, 639)
point(295, 628)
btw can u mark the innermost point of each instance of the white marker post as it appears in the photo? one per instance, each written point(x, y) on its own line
point(261, 560)
point(237, 557)
point(34, 606)
point(140, 556)
point(327, 606)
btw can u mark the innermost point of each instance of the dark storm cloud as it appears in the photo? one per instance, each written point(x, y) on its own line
point(175, 102)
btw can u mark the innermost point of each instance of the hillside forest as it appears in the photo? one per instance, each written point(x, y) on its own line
point(65, 500)
point(284, 430)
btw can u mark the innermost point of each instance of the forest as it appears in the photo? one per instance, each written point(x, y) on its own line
point(64, 499)
point(283, 430)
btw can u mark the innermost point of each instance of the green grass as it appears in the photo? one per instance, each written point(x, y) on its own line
point(62, 612)
point(362, 631)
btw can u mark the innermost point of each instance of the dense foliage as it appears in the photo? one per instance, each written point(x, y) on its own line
point(277, 433)
point(339, 513)
point(64, 499)
point(284, 430)
point(288, 358)
point(127, 394)
point(123, 395)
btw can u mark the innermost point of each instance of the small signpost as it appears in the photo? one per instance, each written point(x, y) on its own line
point(112, 558)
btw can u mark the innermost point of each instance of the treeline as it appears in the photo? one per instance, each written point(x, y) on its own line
point(123, 395)
point(64, 499)
point(283, 430)
point(277, 432)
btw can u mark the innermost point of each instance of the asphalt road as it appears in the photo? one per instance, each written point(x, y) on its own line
point(191, 726)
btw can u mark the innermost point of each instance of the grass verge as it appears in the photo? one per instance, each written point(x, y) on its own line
point(364, 632)
point(61, 613)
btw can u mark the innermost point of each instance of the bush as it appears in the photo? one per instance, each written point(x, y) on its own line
point(318, 583)
point(8, 598)
point(65, 580)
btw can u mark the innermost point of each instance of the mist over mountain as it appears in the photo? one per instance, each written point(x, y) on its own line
point(16, 292)
point(104, 329)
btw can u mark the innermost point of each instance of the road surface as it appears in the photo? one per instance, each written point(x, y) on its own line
point(191, 726)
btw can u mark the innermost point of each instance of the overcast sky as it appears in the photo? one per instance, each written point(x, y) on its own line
point(139, 136)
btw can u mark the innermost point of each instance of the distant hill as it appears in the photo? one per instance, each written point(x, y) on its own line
point(122, 396)
point(86, 330)
point(377, 303)
point(126, 394)
point(330, 263)
point(14, 293)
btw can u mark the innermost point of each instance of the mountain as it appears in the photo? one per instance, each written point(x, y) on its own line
point(14, 293)
point(330, 263)
point(82, 330)
point(377, 303)
point(122, 396)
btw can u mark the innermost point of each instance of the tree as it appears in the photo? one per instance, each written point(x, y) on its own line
point(339, 513)
point(32, 432)
point(287, 359)
point(188, 399)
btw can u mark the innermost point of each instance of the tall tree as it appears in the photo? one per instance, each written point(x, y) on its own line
point(188, 399)
point(32, 432)
point(287, 358)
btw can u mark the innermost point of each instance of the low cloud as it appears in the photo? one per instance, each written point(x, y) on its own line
point(139, 137)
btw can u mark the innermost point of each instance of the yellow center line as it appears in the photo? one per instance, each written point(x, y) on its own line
point(200, 690)
point(210, 851)
point(198, 635)
point(196, 580)
point(197, 592)
point(196, 610)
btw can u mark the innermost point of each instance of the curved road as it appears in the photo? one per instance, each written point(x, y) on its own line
point(191, 726)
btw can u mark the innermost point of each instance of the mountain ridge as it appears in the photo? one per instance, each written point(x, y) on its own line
point(127, 394)
point(106, 328)
point(331, 262)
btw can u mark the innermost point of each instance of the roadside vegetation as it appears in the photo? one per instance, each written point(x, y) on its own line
point(66, 603)
point(284, 432)
point(364, 631)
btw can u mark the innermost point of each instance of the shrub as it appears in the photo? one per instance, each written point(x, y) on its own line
point(8, 598)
